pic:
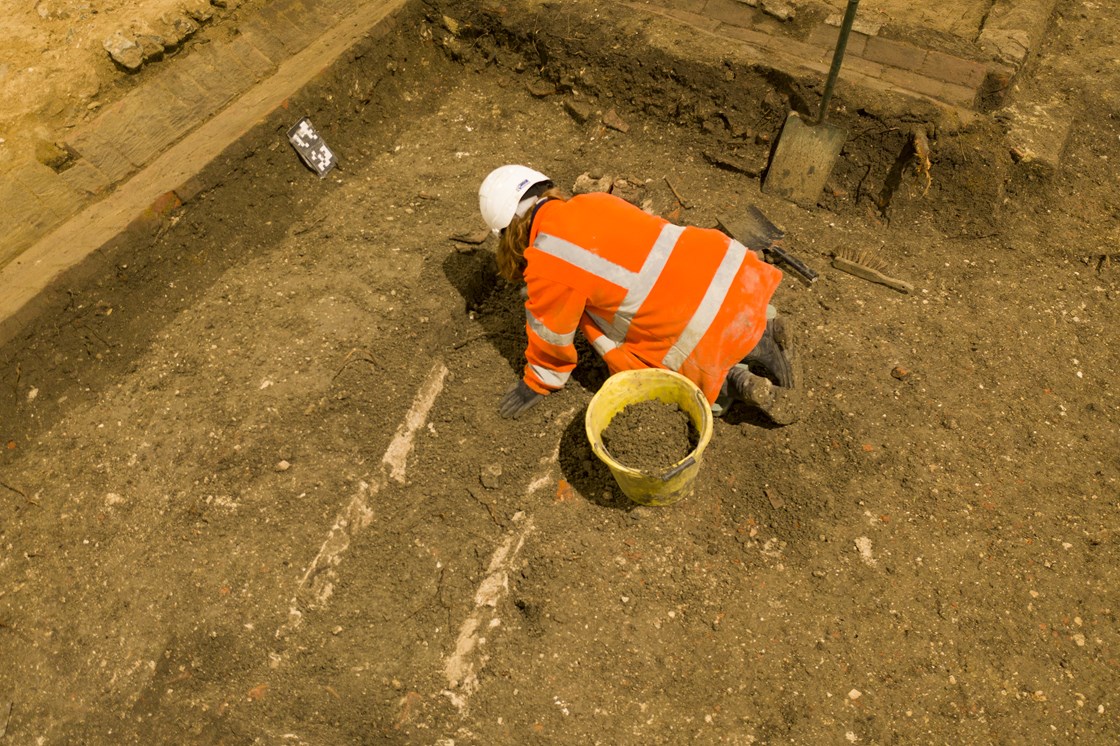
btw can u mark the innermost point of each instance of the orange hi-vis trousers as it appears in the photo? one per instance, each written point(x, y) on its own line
point(646, 293)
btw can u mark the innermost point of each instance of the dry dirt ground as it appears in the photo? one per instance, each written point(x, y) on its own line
point(55, 70)
point(254, 488)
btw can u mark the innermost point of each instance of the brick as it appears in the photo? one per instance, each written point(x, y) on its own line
point(165, 203)
point(251, 58)
point(178, 80)
point(948, 92)
point(801, 53)
point(102, 154)
point(219, 74)
point(731, 12)
point(17, 203)
point(756, 39)
point(861, 66)
point(692, 19)
point(894, 53)
point(271, 46)
point(954, 70)
point(862, 24)
point(49, 188)
point(857, 43)
point(23, 220)
point(86, 179)
point(333, 11)
point(180, 115)
point(295, 32)
point(140, 125)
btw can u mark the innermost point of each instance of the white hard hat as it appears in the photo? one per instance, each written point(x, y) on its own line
point(502, 190)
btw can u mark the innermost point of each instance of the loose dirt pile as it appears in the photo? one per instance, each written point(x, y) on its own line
point(650, 436)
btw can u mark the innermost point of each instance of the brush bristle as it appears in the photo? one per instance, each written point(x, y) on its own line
point(864, 257)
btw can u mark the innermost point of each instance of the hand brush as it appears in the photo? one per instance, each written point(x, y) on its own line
point(866, 265)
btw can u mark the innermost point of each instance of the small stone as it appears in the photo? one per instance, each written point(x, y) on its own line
point(628, 190)
point(587, 183)
point(51, 10)
point(779, 9)
point(540, 88)
point(855, 694)
point(151, 46)
point(1079, 639)
point(199, 10)
point(578, 110)
point(900, 373)
point(491, 476)
point(124, 51)
point(178, 28)
point(615, 122)
point(283, 465)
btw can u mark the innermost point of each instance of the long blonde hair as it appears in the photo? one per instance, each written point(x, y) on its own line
point(513, 241)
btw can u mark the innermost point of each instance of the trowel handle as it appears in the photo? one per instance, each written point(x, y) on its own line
point(837, 57)
point(798, 266)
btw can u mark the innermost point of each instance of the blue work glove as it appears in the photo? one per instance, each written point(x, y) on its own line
point(517, 400)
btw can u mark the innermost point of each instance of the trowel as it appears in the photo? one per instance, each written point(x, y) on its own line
point(755, 231)
point(805, 153)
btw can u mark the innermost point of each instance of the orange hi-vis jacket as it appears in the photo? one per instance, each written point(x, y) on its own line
point(646, 293)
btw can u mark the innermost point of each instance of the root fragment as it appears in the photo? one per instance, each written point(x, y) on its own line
point(920, 142)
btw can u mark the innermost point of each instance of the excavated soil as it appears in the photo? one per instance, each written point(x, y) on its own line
point(650, 436)
point(254, 487)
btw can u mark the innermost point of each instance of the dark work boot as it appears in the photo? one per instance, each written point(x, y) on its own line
point(773, 357)
point(783, 405)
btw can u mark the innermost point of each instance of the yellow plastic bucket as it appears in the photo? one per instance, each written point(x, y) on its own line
point(631, 387)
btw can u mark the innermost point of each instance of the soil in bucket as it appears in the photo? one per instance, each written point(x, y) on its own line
point(650, 436)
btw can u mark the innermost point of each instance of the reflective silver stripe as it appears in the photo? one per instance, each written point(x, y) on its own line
point(673, 359)
point(650, 271)
point(550, 378)
point(542, 331)
point(713, 300)
point(585, 260)
point(612, 333)
point(604, 344)
point(637, 284)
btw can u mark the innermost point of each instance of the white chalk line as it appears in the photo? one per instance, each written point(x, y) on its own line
point(464, 663)
point(462, 667)
point(317, 583)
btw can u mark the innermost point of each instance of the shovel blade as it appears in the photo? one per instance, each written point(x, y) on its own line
point(803, 160)
point(754, 230)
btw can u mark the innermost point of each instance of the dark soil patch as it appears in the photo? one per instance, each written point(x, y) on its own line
point(650, 436)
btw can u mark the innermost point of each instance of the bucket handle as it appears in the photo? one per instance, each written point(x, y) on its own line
point(678, 469)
